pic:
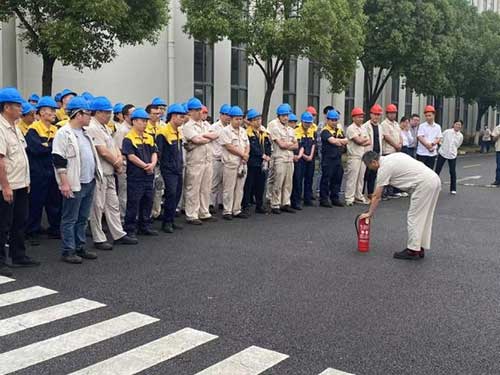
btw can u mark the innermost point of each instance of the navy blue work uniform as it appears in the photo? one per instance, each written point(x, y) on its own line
point(169, 142)
point(260, 145)
point(44, 188)
point(303, 173)
point(332, 171)
point(139, 183)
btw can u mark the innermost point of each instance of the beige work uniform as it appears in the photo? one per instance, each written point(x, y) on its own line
point(407, 174)
point(355, 167)
point(282, 162)
point(393, 131)
point(496, 134)
point(198, 177)
point(120, 133)
point(105, 195)
point(217, 166)
point(233, 182)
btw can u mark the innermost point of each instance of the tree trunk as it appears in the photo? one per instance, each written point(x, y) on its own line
point(48, 67)
point(481, 110)
point(267, 102)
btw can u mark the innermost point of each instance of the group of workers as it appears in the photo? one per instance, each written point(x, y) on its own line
point(80, 159)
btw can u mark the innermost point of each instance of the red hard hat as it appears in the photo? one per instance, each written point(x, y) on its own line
point(391, 108)
point(357, 112)
point(204, 109)
point(429, 108)
point(376, 109)
point(311, 110)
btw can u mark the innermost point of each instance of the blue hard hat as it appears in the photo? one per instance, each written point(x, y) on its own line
point(77, 103)
point(253, 113)
point(332, 115)
point(67, 92)
point(158, 102)
point(34, 98)
point(46, 101)
point(139, 113)
point(57, 97)
point(118, 107)
point(283, 109)
point(236, 112)
point(88, 96)
point(194, 103)
point(27, 108)
point(185, 106)
point(10, 95)
point(292, 117)
point(306, 117)
point(176, 108)
point(101, 103)
point(225, 109)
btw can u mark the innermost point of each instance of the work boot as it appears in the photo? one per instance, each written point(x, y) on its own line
point(25, 262)
point(241, 215)
point(287, 209)
point(276, 211)
point(227, 217)
point(72, 259)
point(209, 219)
point(194, 222)
point(260, 210)
point(407, 254)
point(84, 254)
point(167, 228)
point(126, 240)
point(422, 253)
point(4, 271)
point(325, 204)
point(147, 232)
point(105, 246)
point(212, 210)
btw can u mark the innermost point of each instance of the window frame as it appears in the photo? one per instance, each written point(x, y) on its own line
point(290, 93)
point(237, 84)
point(206, 83)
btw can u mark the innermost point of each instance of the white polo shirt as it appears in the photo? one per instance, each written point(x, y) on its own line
point(430, 132)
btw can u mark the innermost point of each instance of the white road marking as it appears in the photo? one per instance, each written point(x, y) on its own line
point(331, 371)
point(471, 166)
point(41, 351)
point(5, 280)
point(47, 315)
point(251, 361)
point(150, 354)
point(469, 178)
point(23, 295)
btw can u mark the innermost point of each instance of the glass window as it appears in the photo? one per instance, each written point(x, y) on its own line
point(314, 85)
point(290, 82)
point(204, 73)
point(239, 76)
point(350, 93)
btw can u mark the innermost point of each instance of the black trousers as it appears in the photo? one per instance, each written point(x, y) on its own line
point(452, 166)
point(332, 173)
point(13, 219)
point(370, 177)
point(254, 187)
point(429, 161)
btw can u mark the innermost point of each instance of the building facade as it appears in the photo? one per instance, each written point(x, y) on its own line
point(178, 67)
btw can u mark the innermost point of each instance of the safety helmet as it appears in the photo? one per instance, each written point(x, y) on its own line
point(429, 108)
point(311, 110)
point(332, 115)
point(283, 109)
point(27, 108)
point(252, 114)
point(357, 112)
point(194, 104)
point(307, 117)
point(376, 109)
point(46, 101)
point(292, 117)
point(236, 112)
point(176, 108)
point(139, 113)
point(77, 103)
point(391, 108)
point(225, 109)
point(101, 103)
point(10, 95)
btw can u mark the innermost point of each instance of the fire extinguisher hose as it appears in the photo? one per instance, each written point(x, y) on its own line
point(356, 224)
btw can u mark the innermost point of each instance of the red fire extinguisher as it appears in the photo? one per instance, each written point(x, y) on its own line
point(363, 230)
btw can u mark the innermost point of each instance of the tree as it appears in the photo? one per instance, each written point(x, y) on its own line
point(83, 33)
point(329, 32)
point(410, 38)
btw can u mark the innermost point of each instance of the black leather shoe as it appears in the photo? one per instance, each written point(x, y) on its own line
point(209, 219)
point(276, 211)
point(126, 240)
point(260, 210)
point(287, 209)
point(241, 215)
point(72, 259)
point(25, 261)
point(212, 210)
point(105, 246)
point(147, 232)
point(167, 228)
point(4, 271)
point(407, 254)
point(84, 254)
point(194, 222)
point(227, 217)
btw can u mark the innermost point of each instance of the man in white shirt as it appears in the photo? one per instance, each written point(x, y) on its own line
point(429, 136)
point(495, 136)
point(405, 173)
point(452, 140)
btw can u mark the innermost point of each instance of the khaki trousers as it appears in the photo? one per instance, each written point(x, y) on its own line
point(122, 194)
point(355, 179)
point(197, 192)
point(159, 187)
point(282, 185)
point(270, 181)
point(217, 185)
point(106, 202)
point(421, 213)
point(233, 191)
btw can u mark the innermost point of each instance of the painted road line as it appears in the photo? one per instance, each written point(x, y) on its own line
point(5, 280)
point(251, 361)
point(150, 354)
point(41, 351)
point(469, 178)
point(47, 315)
point(331, 371)
point(471, 166)
point(23, 295)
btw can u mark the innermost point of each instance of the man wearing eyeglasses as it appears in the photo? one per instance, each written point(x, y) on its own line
point(77, 167)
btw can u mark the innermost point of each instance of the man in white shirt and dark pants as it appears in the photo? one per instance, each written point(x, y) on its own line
point(405, 173)
point(452, 140)
point(429, 136)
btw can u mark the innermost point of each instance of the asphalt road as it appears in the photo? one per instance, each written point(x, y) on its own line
point(292, 284)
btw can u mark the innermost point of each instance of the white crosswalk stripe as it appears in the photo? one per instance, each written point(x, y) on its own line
point(23, 295)
point(41, 351)
point(331, 371)
point(5, 280)
point(148, 355)
point(47, 315)
point(251, 361)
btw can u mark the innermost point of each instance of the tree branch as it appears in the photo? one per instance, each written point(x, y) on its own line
point(259, 64)
point(384, 81)
point(25, 23)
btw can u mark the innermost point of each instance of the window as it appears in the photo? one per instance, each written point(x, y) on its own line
point(408, 102)
point(204, 73)
point(350, 92)
point(239, 76)
point(314, 85)
point(290, 82)
point(395, 91)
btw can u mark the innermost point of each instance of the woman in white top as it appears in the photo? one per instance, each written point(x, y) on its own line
point(452, 140)
point(407, 136)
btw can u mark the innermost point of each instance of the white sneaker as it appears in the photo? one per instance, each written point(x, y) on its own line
point(453, 192)
point(404, 194)
point(349, 203)
point(364, 201)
